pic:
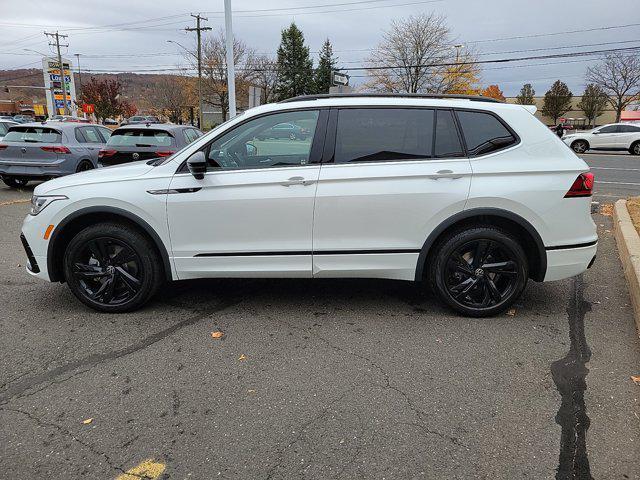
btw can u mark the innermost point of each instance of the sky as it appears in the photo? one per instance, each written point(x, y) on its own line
point(131, 35)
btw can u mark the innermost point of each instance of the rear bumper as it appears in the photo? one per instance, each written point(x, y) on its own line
point(36, 169)
point(569, 262)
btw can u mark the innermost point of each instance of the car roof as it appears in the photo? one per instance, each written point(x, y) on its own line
point(154, 126)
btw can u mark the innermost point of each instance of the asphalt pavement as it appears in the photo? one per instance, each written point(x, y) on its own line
point(617, 175)
point(318, 379)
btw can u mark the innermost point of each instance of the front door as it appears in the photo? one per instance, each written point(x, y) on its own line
point(252, 214)
point(393, 176)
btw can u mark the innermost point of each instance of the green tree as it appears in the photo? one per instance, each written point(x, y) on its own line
point(295, 67)
point(326, 64)
point(593, 102)
point(526, 95)
point(557, 101)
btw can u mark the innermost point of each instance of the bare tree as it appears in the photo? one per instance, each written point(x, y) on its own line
point(214, 70)
point(263, 73)
point(619, 76)
point(416, 55)
point(172, 96)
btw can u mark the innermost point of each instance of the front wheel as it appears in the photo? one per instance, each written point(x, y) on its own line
point(479, 272)
point(15, 182)
point(635, 149)
point(112, 267)
point(580, 146)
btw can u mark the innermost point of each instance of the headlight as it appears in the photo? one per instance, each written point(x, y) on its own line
point(40, 202)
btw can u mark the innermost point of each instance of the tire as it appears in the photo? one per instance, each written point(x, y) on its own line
point(84, 165)
point(580, 146)
point(15, 182)
point(292, 136)
point(634, 149)
point(478, 288)
point(112, 268)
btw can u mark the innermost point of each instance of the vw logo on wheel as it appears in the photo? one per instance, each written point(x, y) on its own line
point(136, 156)
point(23, 150)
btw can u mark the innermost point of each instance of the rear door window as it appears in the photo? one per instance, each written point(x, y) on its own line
point(141, 138)
point(105, 132)
point(383, 134)
point(484, 133)
point(88, 135)
point(629, 129)
point(608, 129)
point(33, 135)
point(447, 141)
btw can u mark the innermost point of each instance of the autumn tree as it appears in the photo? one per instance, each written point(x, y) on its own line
point(463, 78)
point(104, 94)
point(493, 91)
point(527, 95)
point(415, 55)
point(326, 64)
point(557, 101)
point(171, 95)
point(618, 75)
point(264, 74)
point(593, 102)
point(214, 70)
point(295, 67)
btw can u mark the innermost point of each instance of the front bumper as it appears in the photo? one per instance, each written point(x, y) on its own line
point(35, 246)
point(569, 262)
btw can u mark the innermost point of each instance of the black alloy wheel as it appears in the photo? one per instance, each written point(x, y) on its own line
point(84, 165)
point(480, 272)
point(15, 182)
point(112, 268)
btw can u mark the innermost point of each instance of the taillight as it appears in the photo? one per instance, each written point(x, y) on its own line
point(3, 146)
point(582, 187)
point(106, 153)
point(165, 153)
point(56, 149)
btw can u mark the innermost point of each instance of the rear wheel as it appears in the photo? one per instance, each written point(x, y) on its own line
point(15, 182)
point(84, 165)
point(635, 149)
point(478, 272)
point(580, 146)
point(112, 268)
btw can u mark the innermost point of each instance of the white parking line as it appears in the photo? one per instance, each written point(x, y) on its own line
point(619, 183)
point(614, 168)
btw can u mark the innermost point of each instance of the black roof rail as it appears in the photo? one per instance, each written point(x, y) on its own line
point(474, 98)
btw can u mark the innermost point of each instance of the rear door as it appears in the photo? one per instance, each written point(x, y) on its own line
point(91, 140)
point(628, 135)
point(389, 177)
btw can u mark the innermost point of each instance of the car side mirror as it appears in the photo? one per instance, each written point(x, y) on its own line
point(596, 133)
point(251, 149)
point(197, 165)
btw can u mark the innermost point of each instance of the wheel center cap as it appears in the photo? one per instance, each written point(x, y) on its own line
point(479, 272)
point(111, 269)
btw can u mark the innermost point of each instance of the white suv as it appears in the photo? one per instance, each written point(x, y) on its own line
point(471, 195)
point(615, 136)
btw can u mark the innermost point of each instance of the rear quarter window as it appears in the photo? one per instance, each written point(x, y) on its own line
point(141, 138)
point(484, 133)
point(33, 135)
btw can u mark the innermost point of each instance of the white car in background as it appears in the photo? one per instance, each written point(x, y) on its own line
point(615, 136)
point(4, 127)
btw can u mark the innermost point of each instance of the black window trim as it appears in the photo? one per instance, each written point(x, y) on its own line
point(100, 130)
point(315, 153)
point(497, 117)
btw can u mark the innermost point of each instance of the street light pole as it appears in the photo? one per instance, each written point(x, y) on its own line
point(231, 71)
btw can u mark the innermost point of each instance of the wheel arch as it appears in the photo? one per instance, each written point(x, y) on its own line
point(85, 217)
point(527, 234)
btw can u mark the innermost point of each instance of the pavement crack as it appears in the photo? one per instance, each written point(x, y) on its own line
point(42, 423)
point(51, 377)
point(569, 374)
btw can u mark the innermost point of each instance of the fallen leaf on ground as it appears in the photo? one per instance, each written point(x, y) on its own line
point(511, 312)
point(636, 379)
point(606, 209)
point(251, 391)
point(87, 421)
point(217, 334)
point(242, 357)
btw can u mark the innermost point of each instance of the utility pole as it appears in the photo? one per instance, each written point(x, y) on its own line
point(79, 72)
point(57, 37)
point(198, 29)
point(231, 68)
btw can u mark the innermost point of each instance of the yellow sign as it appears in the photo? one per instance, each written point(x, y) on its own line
point(38, 109)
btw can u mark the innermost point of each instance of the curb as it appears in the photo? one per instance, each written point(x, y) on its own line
point(628, 242)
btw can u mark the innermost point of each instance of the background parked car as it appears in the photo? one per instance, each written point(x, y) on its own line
point(285, 130)
point(136, 119)
point(615, 136)
point(143, 142)
point(23, 118)
point(40, 151)
point(4, 127)
point(68, 118)
point(109, 121)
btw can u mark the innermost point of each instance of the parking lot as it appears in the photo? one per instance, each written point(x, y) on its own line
point(322, 378)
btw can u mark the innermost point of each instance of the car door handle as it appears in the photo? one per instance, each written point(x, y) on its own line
point(296, 181)
point(445, 174)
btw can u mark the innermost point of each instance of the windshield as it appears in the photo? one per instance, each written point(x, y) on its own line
point(141, 138)
point(33, 135)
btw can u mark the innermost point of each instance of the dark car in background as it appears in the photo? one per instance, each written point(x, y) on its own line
point(136, 119)
point(132, 143)
point(285, 130)
point(40, 151)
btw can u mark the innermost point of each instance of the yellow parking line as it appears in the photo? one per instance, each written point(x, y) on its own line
point(13, 202)
point(149, 470)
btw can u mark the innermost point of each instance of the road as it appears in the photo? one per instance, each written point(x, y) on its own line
point(317, 379)
point(617, 175)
